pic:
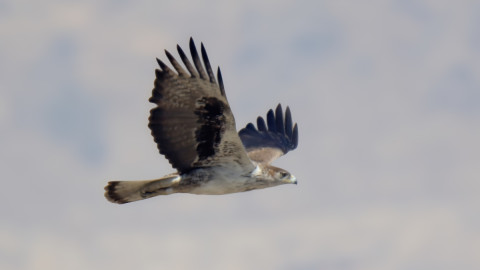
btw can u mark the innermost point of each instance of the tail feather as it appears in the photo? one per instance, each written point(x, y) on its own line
point(129, 191)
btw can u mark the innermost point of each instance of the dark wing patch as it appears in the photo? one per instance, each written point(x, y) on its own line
point(271, 140)
point(192, 124)
point(210, 112)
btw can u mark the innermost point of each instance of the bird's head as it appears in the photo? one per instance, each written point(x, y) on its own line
point(273, 175)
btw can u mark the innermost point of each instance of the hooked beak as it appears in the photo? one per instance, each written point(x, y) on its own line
point(293, 180)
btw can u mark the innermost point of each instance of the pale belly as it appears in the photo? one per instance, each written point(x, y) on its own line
point(219, 186)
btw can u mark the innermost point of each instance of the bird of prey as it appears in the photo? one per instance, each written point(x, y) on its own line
point(194, 129)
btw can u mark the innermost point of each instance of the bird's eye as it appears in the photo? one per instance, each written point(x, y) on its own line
point(283, 174)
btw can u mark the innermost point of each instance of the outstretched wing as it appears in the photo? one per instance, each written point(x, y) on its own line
point(269, 141)
point(192, 124)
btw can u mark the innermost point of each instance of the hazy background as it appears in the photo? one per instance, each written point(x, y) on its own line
point(386, 95)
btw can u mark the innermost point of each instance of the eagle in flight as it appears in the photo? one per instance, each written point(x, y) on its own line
point(194, 129)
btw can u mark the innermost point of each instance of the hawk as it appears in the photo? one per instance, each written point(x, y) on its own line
point(194, 129)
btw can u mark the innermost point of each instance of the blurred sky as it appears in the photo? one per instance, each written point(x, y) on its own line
point(386, 95)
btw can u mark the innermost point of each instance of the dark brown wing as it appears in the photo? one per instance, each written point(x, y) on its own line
point(192, 124)
point(265, 145)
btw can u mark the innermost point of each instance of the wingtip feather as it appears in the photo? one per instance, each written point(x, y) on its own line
point(261, 124)
point(295, 137)
point(160, 63)
point(186, 62)
point(220, 82)
point(175, 64)
point(279, 119)
point(271, 121)
point(207, 64)
point(196, 60)
point(288, 123)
